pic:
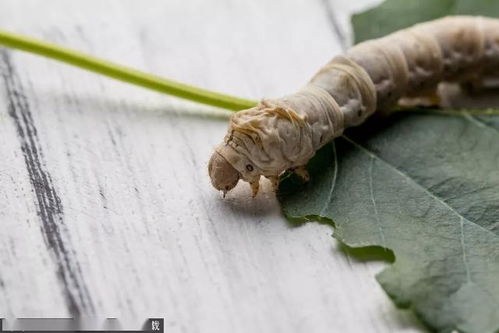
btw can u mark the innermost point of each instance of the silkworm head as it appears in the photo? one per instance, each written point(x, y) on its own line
point(224, 176)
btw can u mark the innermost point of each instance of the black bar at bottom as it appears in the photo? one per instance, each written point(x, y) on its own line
point(151, 325)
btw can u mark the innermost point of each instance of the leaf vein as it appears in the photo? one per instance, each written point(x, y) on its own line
point(376, 215)
point(404, 175)
point(463, 247)
point(333, 181)
point(480, 123)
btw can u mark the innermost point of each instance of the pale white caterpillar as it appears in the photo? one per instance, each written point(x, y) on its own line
point(283, 134)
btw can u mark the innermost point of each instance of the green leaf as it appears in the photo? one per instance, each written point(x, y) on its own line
point(393, 15)
point(427, 187)
point(423, 186)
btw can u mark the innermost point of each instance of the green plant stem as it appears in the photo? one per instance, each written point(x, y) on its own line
point(123, 73)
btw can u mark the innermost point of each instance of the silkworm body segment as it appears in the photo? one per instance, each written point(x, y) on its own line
point(284, 133)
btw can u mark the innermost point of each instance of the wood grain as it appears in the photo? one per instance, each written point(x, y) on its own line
point(106, 204)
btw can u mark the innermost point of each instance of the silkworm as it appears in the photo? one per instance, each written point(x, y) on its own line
point(284, 133)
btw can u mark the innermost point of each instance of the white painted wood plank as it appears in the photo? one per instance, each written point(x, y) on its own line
point(144, 231)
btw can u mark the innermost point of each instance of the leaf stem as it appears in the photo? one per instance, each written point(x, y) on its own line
point(123, 73)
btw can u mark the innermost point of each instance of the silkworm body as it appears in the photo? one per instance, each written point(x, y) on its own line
point(284, 133)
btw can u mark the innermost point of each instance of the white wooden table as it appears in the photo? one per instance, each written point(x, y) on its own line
point(105, 203)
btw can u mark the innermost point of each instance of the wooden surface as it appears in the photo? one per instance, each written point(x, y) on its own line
point(106, 207)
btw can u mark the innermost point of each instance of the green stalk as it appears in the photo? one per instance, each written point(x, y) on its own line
point(123, 73)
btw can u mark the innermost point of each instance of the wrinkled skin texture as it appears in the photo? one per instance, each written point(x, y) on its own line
point(283, 134)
